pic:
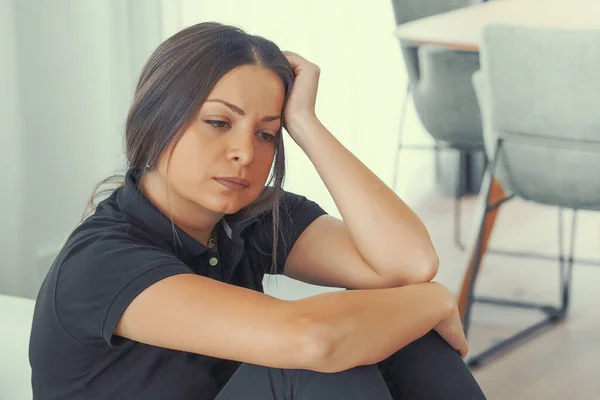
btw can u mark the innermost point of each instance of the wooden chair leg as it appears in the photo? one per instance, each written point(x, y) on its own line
point(496, 194)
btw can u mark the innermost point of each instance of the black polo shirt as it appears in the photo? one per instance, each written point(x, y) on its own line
point(124, 247)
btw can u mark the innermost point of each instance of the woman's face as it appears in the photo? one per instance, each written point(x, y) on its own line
point(224, 157)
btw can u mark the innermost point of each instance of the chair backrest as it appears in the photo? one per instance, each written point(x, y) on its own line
point(440, 78)
point(539, 92)
point(410, 10)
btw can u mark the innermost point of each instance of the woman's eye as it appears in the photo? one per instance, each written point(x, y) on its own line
point(216, 123)
point(266, 136)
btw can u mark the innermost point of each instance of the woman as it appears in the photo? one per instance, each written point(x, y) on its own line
point(158, 294)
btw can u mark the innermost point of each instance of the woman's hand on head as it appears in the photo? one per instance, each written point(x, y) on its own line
point(300, 107)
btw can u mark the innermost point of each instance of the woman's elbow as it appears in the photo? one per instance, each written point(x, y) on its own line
point(419, 270)
point(429, 266)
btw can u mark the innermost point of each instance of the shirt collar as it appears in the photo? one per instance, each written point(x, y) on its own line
point(133, 202)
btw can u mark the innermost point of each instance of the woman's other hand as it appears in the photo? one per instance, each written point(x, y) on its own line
point(451, 330)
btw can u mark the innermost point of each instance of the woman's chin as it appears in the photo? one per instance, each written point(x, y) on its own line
point(225, 203)
point(226, 207)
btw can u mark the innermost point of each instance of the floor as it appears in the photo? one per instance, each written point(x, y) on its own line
point(560, 363)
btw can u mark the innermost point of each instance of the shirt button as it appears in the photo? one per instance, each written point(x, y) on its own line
point(213, 261)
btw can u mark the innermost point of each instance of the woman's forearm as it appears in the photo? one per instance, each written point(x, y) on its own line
point(363, 327)
point(386, 232)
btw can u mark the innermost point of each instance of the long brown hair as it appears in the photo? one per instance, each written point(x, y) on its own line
point(175, 82)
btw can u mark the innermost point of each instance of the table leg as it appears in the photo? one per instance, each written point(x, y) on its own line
point(496, 194)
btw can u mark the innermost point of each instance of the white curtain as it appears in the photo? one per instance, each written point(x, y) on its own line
point(67, 80)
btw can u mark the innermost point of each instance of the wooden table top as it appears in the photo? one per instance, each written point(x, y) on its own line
point(462, 28)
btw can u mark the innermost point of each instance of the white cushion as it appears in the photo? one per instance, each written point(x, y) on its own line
point(15, 326)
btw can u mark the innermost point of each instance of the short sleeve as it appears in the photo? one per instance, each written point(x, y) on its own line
point(100, 277)
point(296, 213)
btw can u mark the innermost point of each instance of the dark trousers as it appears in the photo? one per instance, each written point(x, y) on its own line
point(427, 369)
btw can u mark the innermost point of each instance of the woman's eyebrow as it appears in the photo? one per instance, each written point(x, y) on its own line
point(239, 111)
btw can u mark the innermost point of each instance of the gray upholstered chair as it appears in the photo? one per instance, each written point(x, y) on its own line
point(539, 92)
point(443, 96)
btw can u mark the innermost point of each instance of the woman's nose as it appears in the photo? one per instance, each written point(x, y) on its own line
point(241, 148)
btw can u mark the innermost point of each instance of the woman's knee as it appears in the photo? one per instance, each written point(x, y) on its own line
point(356, 383)
point(429, 368)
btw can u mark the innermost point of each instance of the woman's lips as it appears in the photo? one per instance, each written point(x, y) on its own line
point(233, 183)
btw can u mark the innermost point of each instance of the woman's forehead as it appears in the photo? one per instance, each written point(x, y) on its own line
point(250, 86)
